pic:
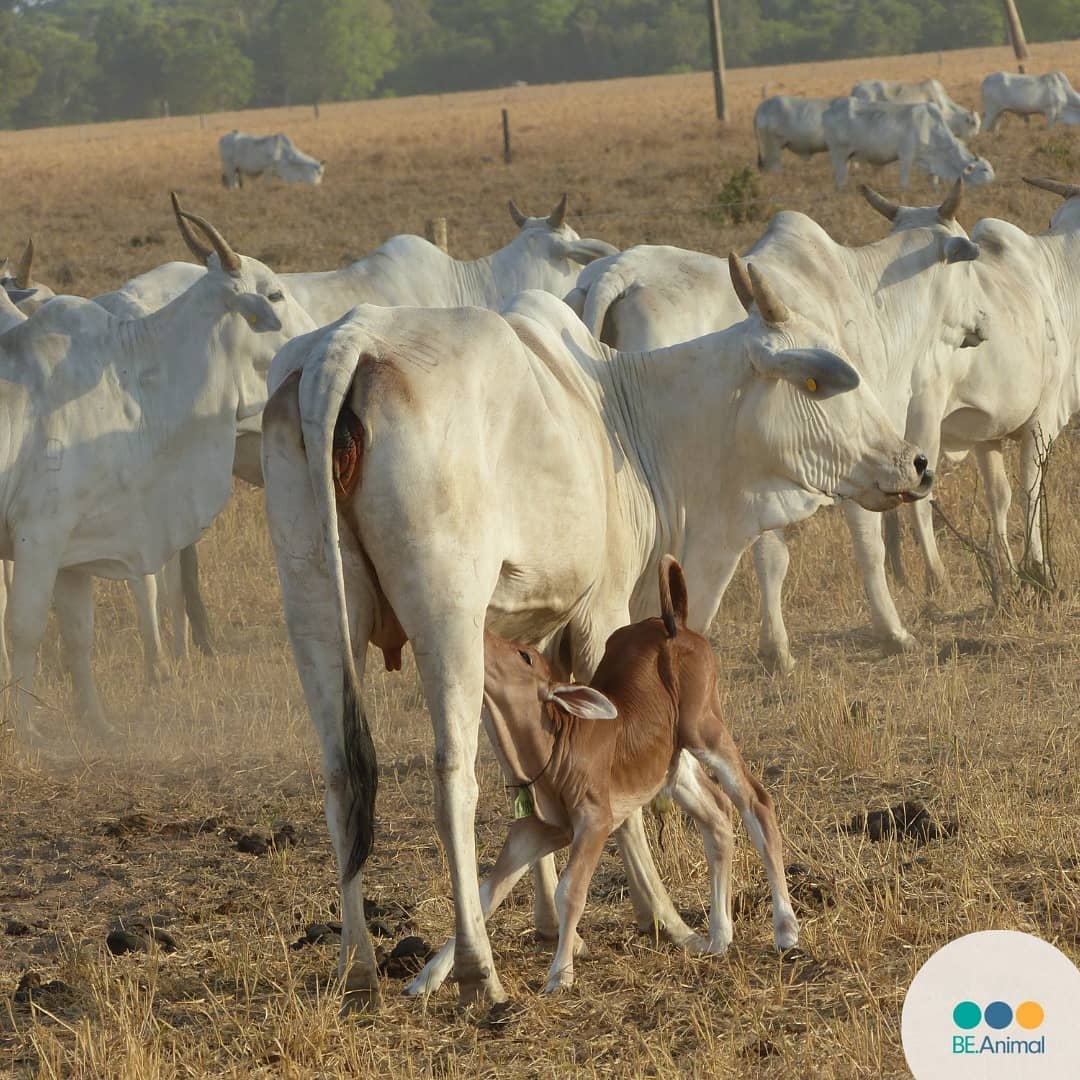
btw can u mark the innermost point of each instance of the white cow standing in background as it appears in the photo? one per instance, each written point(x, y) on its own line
point(120, 438)
point(253, 155)
point(789, 123)
point(963, 123)
point(879, 133)
point(1051, 94)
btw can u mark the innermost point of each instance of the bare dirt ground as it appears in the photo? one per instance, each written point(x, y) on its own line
point(979, 724)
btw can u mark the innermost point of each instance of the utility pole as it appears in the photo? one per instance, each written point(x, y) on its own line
point(716, 40)
point(1016, 34)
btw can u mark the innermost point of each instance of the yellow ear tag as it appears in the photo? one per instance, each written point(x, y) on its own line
point(252, 320)
point(811, 384)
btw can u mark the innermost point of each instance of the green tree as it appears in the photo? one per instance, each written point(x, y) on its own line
point(63, 92)
point(18, 69)
point(333, 50)
point(205, 70)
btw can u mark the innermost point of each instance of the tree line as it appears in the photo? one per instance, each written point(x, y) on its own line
point(73, 61)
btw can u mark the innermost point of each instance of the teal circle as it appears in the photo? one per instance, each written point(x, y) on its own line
point(967, 1015)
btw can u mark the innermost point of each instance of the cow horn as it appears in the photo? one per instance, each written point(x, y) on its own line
point(24, 275)
point(517, 215)
point(230, 261)
point(882, 205)
point(947, 211)
point(740, 280)
point(1066, 191)
point(773, 309)
point(201, 251)
point(557, 218)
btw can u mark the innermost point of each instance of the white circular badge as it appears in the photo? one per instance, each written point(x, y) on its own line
point(996, 1004)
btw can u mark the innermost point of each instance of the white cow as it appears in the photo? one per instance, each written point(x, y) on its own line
point(120, 441)
point(253, 155)
point(880, 133)
point(31, 294)
point(867, 296)
point(962, 122)
point(1024, 383)
point(429, 472)
point(1051, 94)
point(789, 123)
point(407, 270)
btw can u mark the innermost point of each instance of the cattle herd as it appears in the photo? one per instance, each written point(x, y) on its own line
point(492, 460)
point(913, 123)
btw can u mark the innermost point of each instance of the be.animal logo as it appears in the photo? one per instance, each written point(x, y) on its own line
point(1000, 1016)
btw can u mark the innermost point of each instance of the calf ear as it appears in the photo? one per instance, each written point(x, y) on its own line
point(586, 251)
point(580, 700)
point(255, 309)
point(818, 373)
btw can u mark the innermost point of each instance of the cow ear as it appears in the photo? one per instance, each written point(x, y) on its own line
point(255, 309)
point(582, 701)
point(956, 249)
point(585, 251)
point(818, 373)
point(17, 296)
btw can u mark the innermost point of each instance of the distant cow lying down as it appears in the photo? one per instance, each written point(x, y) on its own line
point(590, 755)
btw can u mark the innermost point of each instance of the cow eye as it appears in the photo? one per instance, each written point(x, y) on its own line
point(525, 656)
point(276, 296)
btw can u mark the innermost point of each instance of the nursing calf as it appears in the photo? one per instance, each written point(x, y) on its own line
point(591, 755)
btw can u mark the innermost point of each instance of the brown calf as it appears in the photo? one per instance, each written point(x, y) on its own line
point(591, 755)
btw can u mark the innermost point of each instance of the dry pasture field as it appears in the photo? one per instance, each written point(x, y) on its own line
point(979, 723)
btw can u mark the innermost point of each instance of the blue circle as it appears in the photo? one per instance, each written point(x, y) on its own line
point(967, 1015)
point(998, 1015)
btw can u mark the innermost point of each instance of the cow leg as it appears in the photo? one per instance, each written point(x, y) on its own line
point(922, 525)
point(73, 598)
point(998, 494)
point(771, 561)
point(5, 658)
point(174, 594)
point(755, 806)
point(31, 592)
point(839, 157)
point(590, 835)
point(450, 658)
point(712, 811)
point(145, 592)
point(527, 840)
point(865, 528)
point(1030, 493)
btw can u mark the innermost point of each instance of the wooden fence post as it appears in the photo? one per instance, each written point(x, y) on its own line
point(435, 231)
point(507, 155)
point(1016, 34)
point(716, 41)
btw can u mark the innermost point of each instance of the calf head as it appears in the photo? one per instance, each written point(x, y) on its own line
point(550, 252)
point(805, 416)
point(268, 316)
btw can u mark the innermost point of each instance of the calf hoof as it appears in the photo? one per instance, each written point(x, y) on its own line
point(786, 934)
point(900, 642)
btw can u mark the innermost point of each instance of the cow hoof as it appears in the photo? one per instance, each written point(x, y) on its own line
point(700, 945)
point(777, 662)
point(365, 999)
point(545, 942)
point(901, 642)
point(786, 934)
point(481, 991)
point(561, 980)
point(430, 978)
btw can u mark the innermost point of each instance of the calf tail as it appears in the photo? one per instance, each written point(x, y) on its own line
point(193, 601)
point(674, 599)
point(894, 547)
point(325, 385)
point(602, 295)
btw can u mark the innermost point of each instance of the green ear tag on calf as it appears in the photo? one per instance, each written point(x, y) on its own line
point(523, 803)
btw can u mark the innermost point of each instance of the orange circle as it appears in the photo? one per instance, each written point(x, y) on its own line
point(1030, 1015)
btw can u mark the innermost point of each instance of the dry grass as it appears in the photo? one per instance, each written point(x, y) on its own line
point(980, 722)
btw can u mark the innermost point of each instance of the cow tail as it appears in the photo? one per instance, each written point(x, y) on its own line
point(601, 297)
point(894, 547)
point(324, 391)
point(193, 601)
point(674, 599)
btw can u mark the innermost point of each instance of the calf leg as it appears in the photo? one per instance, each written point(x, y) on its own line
point(73, 597)
point(573, 890)
point(755, 806)
point(771, 561)
point(527, 840)
point(145, 592)
point(712, 812)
